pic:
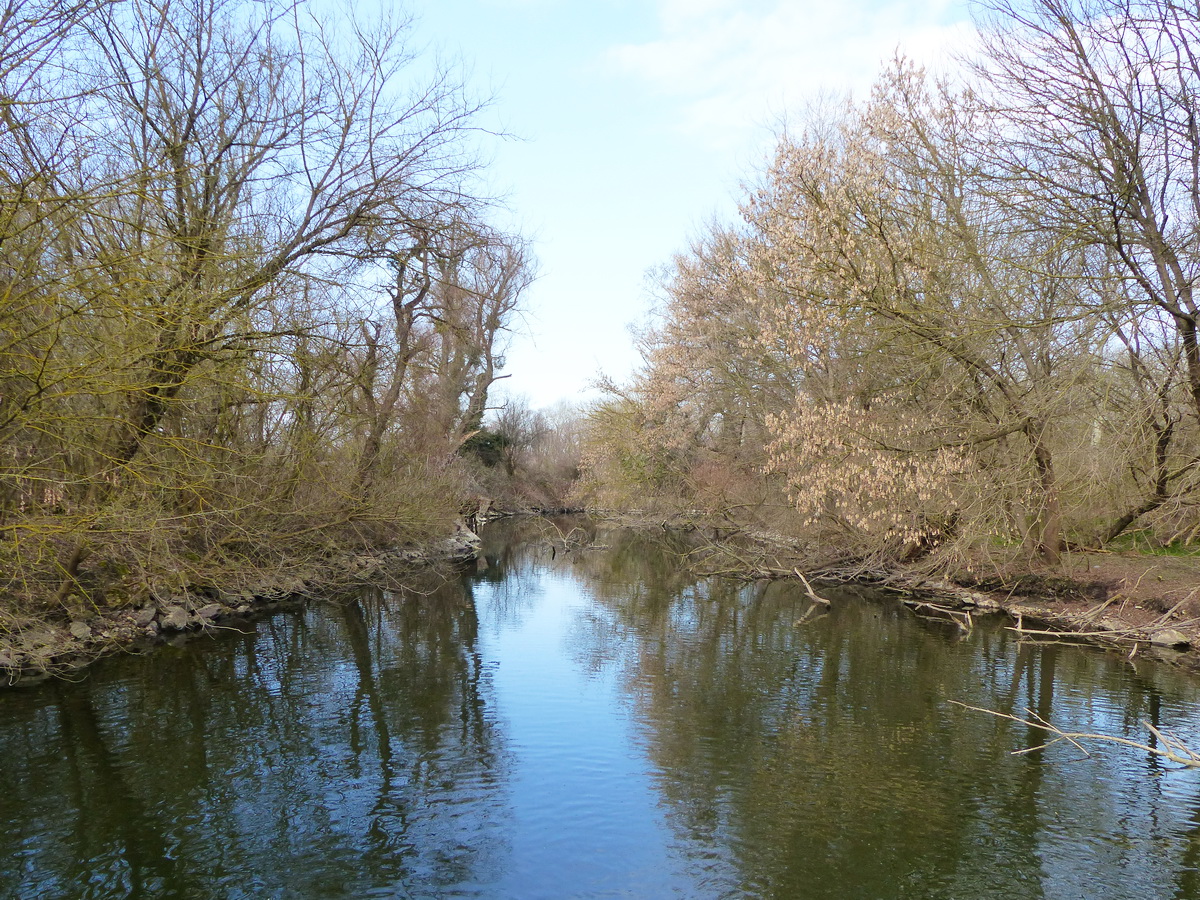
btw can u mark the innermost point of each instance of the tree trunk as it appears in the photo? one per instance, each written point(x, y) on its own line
point(1045, 534)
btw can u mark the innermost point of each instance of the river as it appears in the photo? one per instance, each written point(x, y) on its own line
point(596, 722)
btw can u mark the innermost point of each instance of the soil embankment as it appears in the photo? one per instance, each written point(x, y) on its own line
point(1130, 602)
point(1134, 602)
point(36, 647)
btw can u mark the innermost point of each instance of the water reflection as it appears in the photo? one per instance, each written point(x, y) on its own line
point(822, 759)
point(564, 721)
point(327, 754)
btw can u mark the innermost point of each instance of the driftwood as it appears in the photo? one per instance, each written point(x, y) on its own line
point(812, 595)
point(1086, 626)
point(1169, 746)
point(937, 613)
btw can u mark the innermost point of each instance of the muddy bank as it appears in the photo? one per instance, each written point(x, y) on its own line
point(1130, 603)
point(1134, 603)
point(35, 648)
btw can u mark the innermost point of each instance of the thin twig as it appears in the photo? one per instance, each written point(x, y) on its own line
point(1173, 749)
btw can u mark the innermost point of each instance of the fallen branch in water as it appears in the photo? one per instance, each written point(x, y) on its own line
point(938, 613)
point(812, 595)
point(1128, 634)
point(1156, 633)
point(1172, 748)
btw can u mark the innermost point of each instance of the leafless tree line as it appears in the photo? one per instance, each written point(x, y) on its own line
point(250, 302)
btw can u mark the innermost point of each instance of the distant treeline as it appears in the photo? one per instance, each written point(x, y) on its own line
point(958, 316)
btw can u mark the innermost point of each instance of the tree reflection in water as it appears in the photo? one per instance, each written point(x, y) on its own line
point(818, 757)
point(329, 753)
point(585, 722)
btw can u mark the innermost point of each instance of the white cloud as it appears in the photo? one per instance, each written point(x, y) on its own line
point(730, 66)
point(675, 14)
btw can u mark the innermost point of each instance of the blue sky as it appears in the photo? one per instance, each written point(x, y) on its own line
point(635, 120)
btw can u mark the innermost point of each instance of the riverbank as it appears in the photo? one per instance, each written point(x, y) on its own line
point(1131, 602)
point(1137, 603)
point(36, 647)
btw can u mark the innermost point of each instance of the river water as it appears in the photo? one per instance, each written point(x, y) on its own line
point(596, 723)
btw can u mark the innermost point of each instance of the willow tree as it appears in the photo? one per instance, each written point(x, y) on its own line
point(436, 347)
point(36, 216)
point(209, 186)
point(264, 146)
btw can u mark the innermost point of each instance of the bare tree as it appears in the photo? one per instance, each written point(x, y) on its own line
point(265, 147)
point(196, 201)
point(1097, 113)
point(452, 299)
point(955, 315)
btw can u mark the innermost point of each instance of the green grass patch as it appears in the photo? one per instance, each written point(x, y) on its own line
point(1144, 541)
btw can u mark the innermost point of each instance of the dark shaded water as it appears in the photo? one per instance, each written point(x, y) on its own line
point(598, 724)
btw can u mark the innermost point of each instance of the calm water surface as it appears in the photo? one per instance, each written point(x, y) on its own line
point(595, 724)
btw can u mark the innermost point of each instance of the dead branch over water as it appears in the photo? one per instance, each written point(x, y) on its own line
point(1168, 745)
